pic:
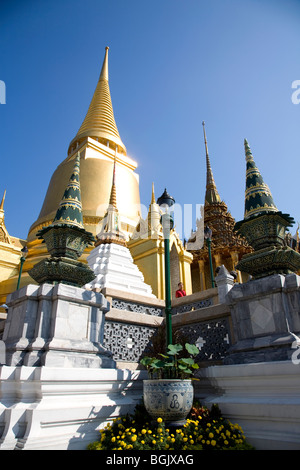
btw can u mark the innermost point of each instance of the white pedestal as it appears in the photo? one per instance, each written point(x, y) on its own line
point(56, 326)
point(263, 398)
point(43, 408)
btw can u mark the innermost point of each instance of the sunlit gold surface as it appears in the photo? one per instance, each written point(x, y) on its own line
point(95, 181)
point(99, 121)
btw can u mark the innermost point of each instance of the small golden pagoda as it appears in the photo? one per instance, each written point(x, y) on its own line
point(226, 246)
point(147, 248)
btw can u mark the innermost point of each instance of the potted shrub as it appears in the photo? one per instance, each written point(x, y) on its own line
point(169, 393)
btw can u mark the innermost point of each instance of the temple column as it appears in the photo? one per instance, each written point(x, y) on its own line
point(217, 259)
point(235, 259)
point(185, 261)
point(201, 264)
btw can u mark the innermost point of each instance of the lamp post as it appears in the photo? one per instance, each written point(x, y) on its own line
point(207, 236)
point(24, 252)
point(165, 201)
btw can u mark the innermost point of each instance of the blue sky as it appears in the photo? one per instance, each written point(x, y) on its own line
point(172, 64)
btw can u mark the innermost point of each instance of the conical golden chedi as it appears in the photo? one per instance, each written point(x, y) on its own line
point(99, 122)
point(99, 144)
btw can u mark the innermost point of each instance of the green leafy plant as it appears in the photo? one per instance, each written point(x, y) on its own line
point(173, 364)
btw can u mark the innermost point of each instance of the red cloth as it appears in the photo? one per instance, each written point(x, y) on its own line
point(180, 293)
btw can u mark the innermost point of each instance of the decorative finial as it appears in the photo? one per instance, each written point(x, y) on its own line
point(104, 70)
point(153, 196)
point(205, 142)
point(3, 199)
point(211, 196)
point(113, 193)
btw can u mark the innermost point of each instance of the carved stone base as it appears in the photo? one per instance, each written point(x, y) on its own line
point(269, 261)
point(65, 270)
point(56, 326)
point(265, 319)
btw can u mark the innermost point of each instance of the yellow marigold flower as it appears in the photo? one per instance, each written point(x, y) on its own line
point(203, 441)
point(113, 439)
point(159, 430)
point(172, 440)
point(191, 441)
point(143, 431)
point(133, 438)
point(213, 442)
point(142, 442)
point(149, 431)
point(154, 441)
point(208, 425)
point(185, 439)
point(159, 420)
point(211, 435)
point(133, 430)
point(208, 442)
point(225, 442)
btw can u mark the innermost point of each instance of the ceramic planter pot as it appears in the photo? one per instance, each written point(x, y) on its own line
point(169, 399)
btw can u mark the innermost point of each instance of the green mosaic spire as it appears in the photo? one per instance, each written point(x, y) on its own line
point(70, 209)
point(66, 240)
point(258, 197)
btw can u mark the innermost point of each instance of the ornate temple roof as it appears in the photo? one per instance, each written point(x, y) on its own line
point(99, 122)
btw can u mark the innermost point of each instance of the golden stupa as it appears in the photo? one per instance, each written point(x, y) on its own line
point(99, 143)
point(102, 152)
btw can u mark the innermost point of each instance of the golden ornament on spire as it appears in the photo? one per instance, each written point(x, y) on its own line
point(153, 201)
point(2, 202)
point(113, 192)
point(211, 195)
point(99, 122)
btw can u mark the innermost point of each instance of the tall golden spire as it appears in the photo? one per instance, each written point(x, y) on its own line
point(2, 202)
point(113, 192)
point(211, 194)
point(99, 122)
